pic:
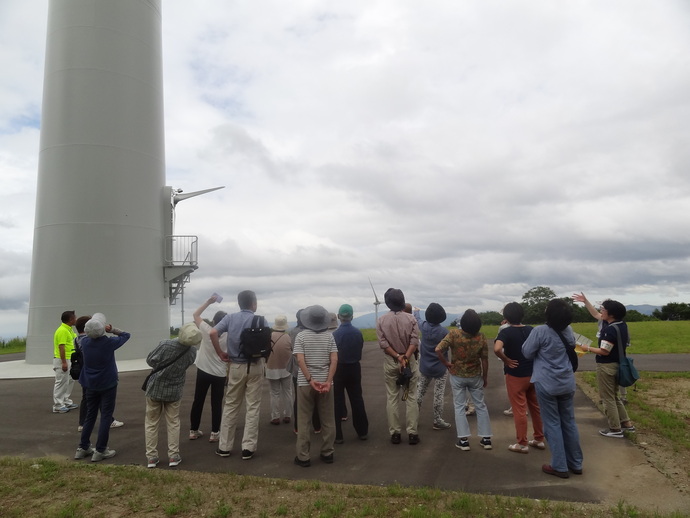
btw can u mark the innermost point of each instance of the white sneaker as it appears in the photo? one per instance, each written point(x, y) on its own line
point(83, 453)
point(214, 437)
point(80, 428)
point(116, 424)
point(174, 461)
point(98, 456)
point(152, 462)
point(195, 434)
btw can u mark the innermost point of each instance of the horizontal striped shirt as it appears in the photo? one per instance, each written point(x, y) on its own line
point(317, 349)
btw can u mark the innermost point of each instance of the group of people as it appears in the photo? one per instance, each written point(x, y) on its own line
point(314, 364)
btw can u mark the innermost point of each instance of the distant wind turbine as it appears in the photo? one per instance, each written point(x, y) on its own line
point(377, 302)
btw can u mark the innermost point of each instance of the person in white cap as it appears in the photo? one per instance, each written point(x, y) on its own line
point(279, 378)
point(170, 361)
point(99, 377)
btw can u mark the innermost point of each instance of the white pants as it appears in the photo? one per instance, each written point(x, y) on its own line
point(63, 385)
point(281, 397)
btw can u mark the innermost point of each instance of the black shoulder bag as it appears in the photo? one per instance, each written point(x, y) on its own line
point(570, 350)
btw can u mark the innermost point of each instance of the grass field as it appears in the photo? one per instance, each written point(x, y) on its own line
point(654, 337)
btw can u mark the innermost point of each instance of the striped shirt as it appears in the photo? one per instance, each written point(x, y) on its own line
point(317, 349)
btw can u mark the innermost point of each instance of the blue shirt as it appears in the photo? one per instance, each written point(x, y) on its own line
point(100, 370)
point(552, 370)
point(429, 364)
point(233, 325)
point(350, 342)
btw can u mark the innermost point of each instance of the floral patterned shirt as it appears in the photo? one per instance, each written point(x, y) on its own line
point(466, 352)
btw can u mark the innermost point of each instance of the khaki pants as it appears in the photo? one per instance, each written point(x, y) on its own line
point(154, 410)
point(242, 386)
point(307, 399)
point(607, 380)
point(394, 396)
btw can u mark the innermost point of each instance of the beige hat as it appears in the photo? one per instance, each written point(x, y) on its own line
point(334, 322)
point(280, 323)
point(189, 334)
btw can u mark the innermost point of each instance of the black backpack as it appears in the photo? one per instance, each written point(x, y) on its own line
point(255, 341)
point(77, 360)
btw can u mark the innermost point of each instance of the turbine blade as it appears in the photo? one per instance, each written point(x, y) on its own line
point(376, 299)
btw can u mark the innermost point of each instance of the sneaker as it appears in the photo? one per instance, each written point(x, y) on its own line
point(72, 406)
point(486, 443)
point(508, 412)
point(174, 461)
point(214, 437)
point(222, 453)
point(60, 410)
point(275, 421)
point(80, 428)
point(618, 434)
point(302, 463)
point(537, 444)
point(518, 448)
point(247, 454)
point(413, 439)
point(98, 455)
point(441, 425)
point(328, 459)
point(395, 438)
point(116, 424)
point(195, 434)
point(83, 453)
point(629, 428)
point(463, 444)
point(152, 462)
point(546, 468)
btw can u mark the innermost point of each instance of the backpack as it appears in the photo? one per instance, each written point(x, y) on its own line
point(255, 341)
point(77, 361)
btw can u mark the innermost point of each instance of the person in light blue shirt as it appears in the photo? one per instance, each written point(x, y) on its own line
point(554, 382)
point(245, 378)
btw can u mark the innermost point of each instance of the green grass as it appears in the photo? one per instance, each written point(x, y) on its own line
point(647, 415)
point(15, 345)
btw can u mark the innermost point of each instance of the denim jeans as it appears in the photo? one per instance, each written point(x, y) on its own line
point(475, 386)
point(558, 416)
point(103, 401)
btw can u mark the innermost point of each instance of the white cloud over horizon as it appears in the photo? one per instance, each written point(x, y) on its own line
point(463, 152)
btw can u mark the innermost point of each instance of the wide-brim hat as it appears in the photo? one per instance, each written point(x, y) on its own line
point(316, 318)
point(281, 323)
point(435, 314)
point(333, 324)
point(189, 334)
point(394, 299)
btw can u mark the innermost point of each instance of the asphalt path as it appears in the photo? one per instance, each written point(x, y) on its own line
point(29, 429)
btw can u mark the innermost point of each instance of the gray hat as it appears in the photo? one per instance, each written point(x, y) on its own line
point(95, 328)
point(189, 334)
point(315, 318)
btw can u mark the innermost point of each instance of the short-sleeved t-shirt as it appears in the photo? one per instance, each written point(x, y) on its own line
point(513, 337)
point(608, 334)
point(466, 352)
point(64, 335)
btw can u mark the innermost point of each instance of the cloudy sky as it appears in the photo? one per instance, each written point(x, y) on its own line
point(464, 152)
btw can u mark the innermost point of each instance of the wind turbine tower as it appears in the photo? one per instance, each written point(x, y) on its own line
point(102, 205)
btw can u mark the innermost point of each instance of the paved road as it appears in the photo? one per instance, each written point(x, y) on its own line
point(29, 429)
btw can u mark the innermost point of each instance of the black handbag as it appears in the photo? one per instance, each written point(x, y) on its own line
point(570, 350)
